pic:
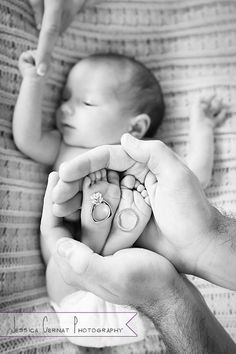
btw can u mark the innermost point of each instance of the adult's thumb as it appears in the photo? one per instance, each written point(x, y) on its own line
point(83, 261)
point(153, 153)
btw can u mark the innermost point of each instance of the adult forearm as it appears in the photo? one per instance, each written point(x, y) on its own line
point(218, 263)
point(186, 323)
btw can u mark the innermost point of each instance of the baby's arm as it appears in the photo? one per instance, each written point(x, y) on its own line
point(27, 120)
point(205, 115)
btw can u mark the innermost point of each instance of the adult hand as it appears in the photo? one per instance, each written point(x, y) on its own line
point(130, 276)
point(52, 228)
point(52, 17)
point(151, 284)
point(138, 277)
point(186, 224)
point(82, 268)
point(173, 190)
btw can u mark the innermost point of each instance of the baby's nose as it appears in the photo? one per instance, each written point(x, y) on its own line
point(67, 109)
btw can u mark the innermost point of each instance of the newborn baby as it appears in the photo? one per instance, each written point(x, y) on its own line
point(105, 96)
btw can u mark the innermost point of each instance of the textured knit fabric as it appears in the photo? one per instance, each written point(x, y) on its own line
point(191, 48)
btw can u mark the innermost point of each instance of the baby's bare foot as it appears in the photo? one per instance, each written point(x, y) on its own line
point(101, 196)
point(132, 216)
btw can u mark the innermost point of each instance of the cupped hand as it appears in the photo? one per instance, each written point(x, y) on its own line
point(132, 276)
point(184, 219)
point(52, 228)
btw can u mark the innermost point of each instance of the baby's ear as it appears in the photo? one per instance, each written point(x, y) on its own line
point(139, 125)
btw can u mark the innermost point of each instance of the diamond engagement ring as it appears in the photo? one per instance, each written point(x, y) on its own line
point(100, 209)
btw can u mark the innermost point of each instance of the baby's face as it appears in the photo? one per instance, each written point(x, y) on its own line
point(91, 114)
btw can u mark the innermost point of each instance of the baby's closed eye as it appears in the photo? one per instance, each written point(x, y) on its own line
point(90, 103)
point(86, 103)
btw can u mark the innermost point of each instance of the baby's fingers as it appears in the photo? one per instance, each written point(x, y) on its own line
point(26, 63)
point(221, 116)
point(28, 57)
point(216, 105)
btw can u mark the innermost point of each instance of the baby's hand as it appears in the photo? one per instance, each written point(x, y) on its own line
point(209, 111)
point(27, 64)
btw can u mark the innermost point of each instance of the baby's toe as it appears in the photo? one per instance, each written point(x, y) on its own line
point(87, 182)
point(140, 188)
point(144, 193)
point(92, 177)
point(147, 200)
point(98, 175)
point(104, 174)
point(113, 177)
point(128, 182)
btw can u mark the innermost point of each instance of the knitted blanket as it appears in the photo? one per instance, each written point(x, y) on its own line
point(191, 48)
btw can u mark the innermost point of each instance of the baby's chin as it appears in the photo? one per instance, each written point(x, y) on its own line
point(87, 142)
point(101, 143)
point(91, 143)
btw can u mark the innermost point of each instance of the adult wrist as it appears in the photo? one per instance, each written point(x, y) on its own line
point(159, 305)
point(217, 263)
point(186, 323)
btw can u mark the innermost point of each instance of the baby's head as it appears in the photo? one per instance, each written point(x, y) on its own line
point(107, 95)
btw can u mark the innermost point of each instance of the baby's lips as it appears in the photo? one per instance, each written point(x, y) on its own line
point(61, 119)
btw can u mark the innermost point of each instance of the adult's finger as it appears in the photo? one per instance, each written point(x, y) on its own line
point(50, 31)
point(144, 274)
point(48, 220)
point(51, 226)
point(159, 159)
point(69, 207)
point(38, 9)
point(111, 157)
point(71, 8)
point(65, 191)
point(80, 266)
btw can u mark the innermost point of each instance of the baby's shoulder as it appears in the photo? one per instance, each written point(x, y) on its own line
point(66, 153)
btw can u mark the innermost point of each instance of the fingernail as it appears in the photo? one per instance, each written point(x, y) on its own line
point(38, 26)
point(53, 176)
point(42, 69)
point(62, 165)
point(61, 169)
point(64, 248)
